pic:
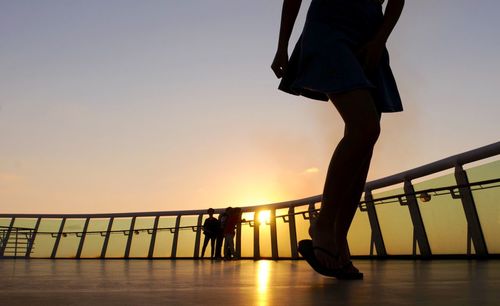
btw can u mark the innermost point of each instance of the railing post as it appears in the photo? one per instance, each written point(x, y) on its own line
point(176, 237)
point(414, 243)
point(256, 239)
point(153, 237)
point(198, 237)
point(312, 211)
point(473, 223)
point(32, 239)
point(238, 240)
point(2, 237)
point(106, 238)
point(16, 242)
point(6, 239)
point(377, 237)
point(416, 218)
point(58, 239)
point(372, 244)
point(130, 237)
point(469, 242)
point(82, 238)
point(293, 232)
point(274, 235)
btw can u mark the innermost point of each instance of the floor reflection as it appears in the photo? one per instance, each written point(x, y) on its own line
point(263, 272)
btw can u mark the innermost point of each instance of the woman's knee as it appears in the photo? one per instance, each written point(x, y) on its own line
point(363, 132)
point(372, 130)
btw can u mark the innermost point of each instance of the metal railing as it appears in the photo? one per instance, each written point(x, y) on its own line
point(258, 237)
point(15, 241)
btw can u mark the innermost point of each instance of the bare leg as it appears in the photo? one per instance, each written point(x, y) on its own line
point(346, 174)
point(356, 196)
point(212, 246)
point(205, 243)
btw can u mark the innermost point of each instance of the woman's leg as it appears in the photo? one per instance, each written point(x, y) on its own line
point(212, 246)
point(231, 250)
point(356, 197)
point(218, 245)
point(346, 174)
point(205, 243)
point(226, 246)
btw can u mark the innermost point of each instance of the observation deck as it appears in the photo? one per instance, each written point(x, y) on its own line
point(448, 209)
point(246, 282)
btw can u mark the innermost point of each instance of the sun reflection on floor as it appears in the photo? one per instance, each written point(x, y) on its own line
point(263, 272)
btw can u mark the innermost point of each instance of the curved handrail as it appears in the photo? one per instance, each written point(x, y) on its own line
point(437, 166)
point(450, 190)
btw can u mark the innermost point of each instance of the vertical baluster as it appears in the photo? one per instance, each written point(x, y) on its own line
point(6, 237)
point(238, 240)
point(196, 253)
point(58, 239)
point(82, 238)
point(416, 218)
point(274, 235)
point(256, 234)
point(16, 242)
point(376, 237)
point(293, 232)
point(106, 238)
point(32, 238)
point(469, 206)
point(176, 237)
point(130, 237)
point(153, 237)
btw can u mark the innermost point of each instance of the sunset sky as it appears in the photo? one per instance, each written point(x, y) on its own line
point(121, 105)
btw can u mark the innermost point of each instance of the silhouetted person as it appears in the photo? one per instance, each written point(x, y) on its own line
point(341, 57)
point(229, 232)
point(211, 228)
point(220, 235)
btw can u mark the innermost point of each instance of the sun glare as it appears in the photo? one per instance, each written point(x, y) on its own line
point(264, 217)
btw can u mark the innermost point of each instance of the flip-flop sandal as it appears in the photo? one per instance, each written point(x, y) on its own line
point(345, 272)
point(306, 249)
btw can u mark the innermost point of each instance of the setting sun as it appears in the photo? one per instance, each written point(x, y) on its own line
point(264, 217)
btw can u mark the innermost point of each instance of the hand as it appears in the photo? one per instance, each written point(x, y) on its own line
point(370, 54)
point(280, 63)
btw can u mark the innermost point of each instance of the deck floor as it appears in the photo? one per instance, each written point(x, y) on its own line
point(246, 282)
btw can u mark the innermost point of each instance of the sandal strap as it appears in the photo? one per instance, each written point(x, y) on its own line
point(327, 252)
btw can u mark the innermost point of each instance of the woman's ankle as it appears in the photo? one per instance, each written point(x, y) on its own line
point(343, 249)
point(322, 224)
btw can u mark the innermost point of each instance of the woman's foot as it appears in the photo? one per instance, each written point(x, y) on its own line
point(308, 252)
point(345, 262)
point(323, 239)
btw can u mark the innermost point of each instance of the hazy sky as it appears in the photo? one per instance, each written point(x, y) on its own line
point(114, 106)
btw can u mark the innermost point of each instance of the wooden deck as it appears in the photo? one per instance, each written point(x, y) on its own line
point(189, 282)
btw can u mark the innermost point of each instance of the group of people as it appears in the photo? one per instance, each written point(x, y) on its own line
point(220, 232)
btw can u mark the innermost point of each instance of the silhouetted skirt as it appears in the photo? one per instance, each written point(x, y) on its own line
point(324, 59)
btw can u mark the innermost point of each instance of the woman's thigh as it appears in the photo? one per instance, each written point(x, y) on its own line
point(356, 107)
